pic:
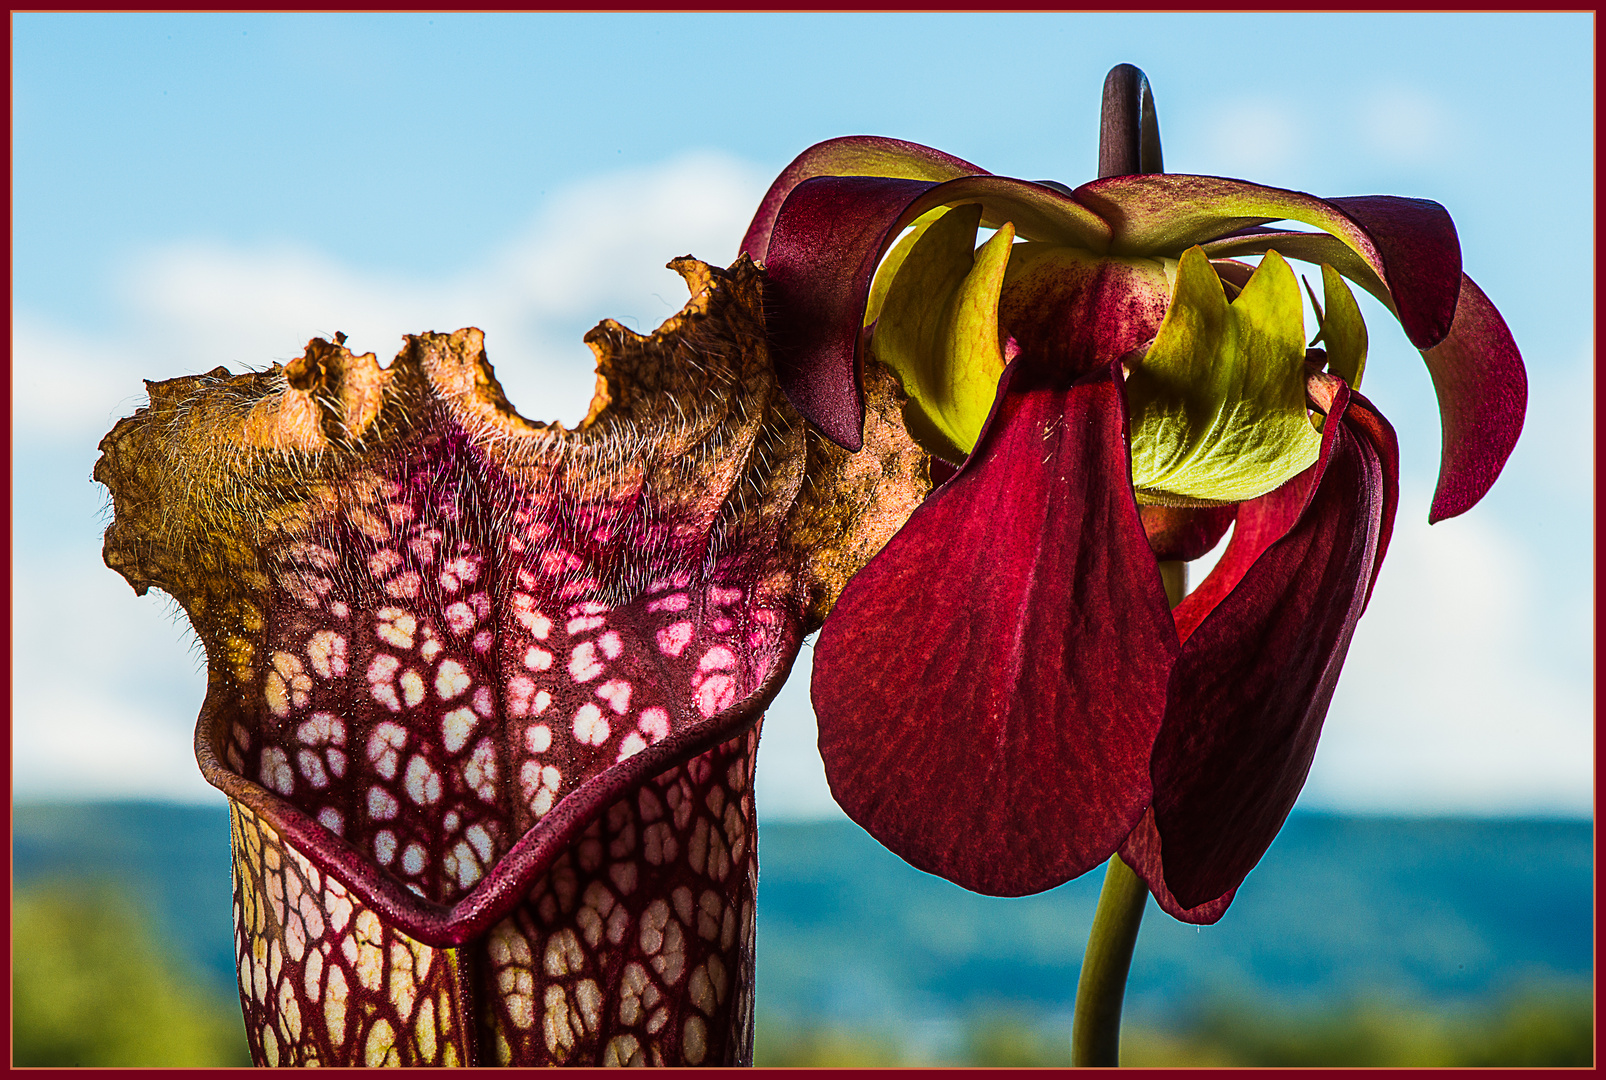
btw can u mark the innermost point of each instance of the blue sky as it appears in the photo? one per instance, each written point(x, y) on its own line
point(199, 189)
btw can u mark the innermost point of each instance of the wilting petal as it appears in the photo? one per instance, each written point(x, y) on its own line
point(1080, 311)
point(851, 155)
point(1250, 690)
point(442, 639)
point(1409, 245)
point(987, 698)
point(1483, 395)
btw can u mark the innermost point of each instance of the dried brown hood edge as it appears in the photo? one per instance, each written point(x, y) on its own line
point(224, 482)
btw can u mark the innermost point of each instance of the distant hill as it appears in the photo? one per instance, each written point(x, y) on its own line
point(1434, 910)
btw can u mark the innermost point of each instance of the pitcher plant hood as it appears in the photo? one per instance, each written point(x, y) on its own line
point(472, 678)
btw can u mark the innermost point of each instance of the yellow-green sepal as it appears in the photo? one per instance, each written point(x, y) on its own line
point(1218, 403)
point(1343, 331)
point(938, 329)
point(894, 259)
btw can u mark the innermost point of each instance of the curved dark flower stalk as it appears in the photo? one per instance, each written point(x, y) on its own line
point(485, 695)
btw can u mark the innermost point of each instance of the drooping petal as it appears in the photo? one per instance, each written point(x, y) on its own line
point(1409, 245)
point(826, 243)
point(851, 155)
point(1477, 371)
point(1080, 311)
point(1218, 401)
point(1141, 851)
point(1250, 690)
point(987, 697)
point(821, 259)
point(1364, 418)
point(1482, 386)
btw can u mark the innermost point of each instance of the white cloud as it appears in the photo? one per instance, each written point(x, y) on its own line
point(1446, 704)
point(1251, 137)
point(1406, 126)
point(106, 688)
point(108, 684)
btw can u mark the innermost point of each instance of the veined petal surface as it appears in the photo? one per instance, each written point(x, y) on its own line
point(1261, 655)
point(1218, 402)
point(987, 697)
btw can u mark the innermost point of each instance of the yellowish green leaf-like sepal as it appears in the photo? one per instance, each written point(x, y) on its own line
point(1218, 403)
point(1343, 332)
point(938, 329)
point(893, 260)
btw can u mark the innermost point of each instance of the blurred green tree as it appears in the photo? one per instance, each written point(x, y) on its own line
point(91, 986)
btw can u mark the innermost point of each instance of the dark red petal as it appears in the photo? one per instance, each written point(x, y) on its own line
point(1414, 266)
point(1258, 524)
point(1421, 259)
point(851, 155)
point(1141, 851)
point(1483, 397)
point(1363, 416)
point(1079, 312)
point(988, 687)
point(1185, 532)
point(1248, 694)
point(822, 257)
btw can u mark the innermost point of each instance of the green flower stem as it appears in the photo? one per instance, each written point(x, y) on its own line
point(1174, 576)
point(1096, 1026)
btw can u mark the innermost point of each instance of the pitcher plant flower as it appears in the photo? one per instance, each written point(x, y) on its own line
point(485, 694)
point(1006, 694)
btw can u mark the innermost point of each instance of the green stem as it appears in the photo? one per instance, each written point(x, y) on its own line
point(1096, 1026)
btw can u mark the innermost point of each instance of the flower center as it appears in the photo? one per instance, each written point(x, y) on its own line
point(1216, 394)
